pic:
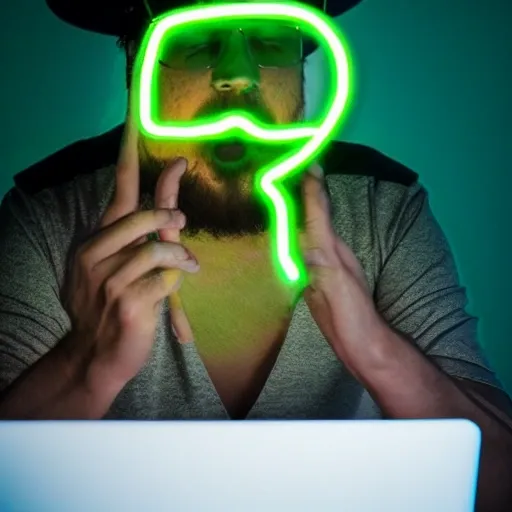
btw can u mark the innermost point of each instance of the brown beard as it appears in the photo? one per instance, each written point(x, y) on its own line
point(220, 213)
point(230, 209)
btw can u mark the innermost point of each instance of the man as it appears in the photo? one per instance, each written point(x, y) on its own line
point(381, 330)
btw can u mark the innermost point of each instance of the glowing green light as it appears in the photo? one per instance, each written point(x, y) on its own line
point(316, 135)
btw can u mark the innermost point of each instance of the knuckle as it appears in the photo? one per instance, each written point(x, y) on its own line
point(152, 251)
point(133, 219)
point(128, 308)
point(179, 252)
point(157, 216)
point(111, 290)
point(145, 221)
point(83, 256)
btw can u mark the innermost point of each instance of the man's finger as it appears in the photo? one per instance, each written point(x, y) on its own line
point(166, 196)
point(179, 319)
point(126, 195)
point(168, 186)
point(316, 207)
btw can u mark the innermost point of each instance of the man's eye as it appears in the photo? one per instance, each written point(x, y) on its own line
point(272, 45)
point(195, 49)
point(210, 48)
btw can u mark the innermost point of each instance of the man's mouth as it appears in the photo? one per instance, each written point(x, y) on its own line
point(230, 152)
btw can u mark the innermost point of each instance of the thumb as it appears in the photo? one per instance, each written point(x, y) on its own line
point(318, 239)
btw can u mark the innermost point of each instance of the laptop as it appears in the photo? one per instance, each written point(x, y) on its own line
point(264, 466)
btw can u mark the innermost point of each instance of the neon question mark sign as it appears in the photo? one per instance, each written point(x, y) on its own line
point(317, 135)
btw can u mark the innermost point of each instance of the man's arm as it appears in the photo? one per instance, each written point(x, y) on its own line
point(39, 379)
point(58, 386)
point(426, 362)
point(406, 384)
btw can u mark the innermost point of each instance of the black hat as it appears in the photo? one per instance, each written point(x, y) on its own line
point(121, 17)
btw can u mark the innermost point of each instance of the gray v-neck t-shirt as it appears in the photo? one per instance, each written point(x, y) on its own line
point(389, 226)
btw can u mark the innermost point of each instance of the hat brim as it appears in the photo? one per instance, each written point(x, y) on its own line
point(109, 17)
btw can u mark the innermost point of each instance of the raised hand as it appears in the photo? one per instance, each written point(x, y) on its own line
point(338, 295)
point(119, 279)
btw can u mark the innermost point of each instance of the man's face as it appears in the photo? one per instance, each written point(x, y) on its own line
point(209, 71)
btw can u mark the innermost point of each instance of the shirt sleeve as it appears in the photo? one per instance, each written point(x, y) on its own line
point(32, 319)
point(418, 290)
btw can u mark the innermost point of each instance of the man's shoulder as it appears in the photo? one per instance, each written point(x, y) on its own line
point(350, 159)
point(83, 157)
point(68, 190)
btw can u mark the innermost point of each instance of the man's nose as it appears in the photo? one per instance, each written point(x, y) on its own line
point(236, 70)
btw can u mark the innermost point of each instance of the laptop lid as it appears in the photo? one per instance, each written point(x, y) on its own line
point(400, 465)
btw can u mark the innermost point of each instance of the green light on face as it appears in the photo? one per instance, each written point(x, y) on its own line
point(314, 136)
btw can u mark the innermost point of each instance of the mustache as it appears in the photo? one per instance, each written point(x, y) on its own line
point(250, 102)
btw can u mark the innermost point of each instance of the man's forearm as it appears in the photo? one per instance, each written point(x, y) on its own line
point(407, 385)
point(57, 386)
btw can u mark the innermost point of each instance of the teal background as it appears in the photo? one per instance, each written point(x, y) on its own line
point(433, 91)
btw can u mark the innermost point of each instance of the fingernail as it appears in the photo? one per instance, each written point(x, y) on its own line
point(182, 220)
point(191, 266)
point(180, 163)
point(180, 340)
point(190, 256)
point(317, 172)
point(177, 220)
point(188, 259)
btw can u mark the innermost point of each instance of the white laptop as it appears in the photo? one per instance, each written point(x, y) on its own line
point(264, 466)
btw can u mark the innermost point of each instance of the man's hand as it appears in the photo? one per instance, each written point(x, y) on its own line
point(166, 196)
point(119, 279)
point(338, 295)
